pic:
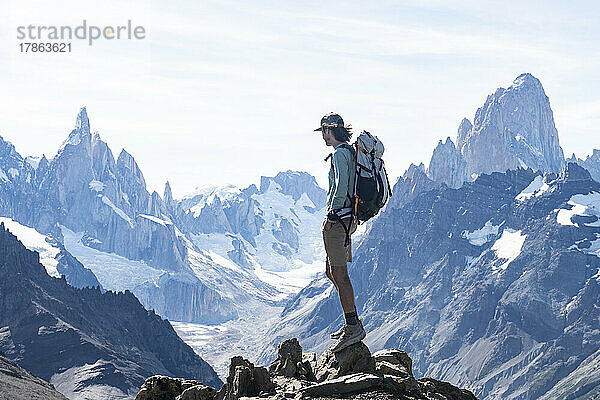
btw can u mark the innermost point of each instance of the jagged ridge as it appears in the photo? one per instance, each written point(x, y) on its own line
point(79, 339)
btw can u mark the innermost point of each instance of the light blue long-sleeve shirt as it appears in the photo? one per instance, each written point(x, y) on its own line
point(341, 181)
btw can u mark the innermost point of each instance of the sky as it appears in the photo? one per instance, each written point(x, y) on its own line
point(222, 92)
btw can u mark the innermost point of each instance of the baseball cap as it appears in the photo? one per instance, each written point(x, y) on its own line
point(331, 120)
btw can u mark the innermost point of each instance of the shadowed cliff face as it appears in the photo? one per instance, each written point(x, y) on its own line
point(492, 287)
point(19, 384)
point(591, 163)
point(81, 339)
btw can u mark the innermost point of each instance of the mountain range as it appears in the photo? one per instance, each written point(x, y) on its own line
point(488, 279)
point(199, 259)
point(88, 344)
point(482, 266)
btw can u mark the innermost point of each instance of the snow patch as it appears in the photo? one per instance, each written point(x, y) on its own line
point(594, 248)
point(156, 219)
point(482, 235)
point(581, 204)
point(117, 210)
point(13, 172)
point(537, 187)
point(305, 201)
point(224, 192)
point(70, 383)
point(209, 194)
point(33, 161)
point(35, 241)
point(96, 186)
point(73, 139)
point(114, 272)
point(508, 247)
point(3, 176)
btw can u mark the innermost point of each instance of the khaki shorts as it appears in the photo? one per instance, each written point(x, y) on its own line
point(334, 238)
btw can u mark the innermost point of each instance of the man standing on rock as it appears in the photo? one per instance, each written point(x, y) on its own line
point(339, 225)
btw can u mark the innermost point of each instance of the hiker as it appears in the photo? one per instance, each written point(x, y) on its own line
point(340, 224)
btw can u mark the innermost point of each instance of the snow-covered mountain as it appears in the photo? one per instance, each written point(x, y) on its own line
point(88, 344)
point(217, 255)
point(53, 255)
point(514, 128)
point(199, 259)
point(98, 208)
point(493, 286)
point(273, 231)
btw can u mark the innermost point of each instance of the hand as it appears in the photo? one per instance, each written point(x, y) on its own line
point(326, 226)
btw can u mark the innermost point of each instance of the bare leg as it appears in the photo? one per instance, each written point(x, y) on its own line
point(344, 287)
point(329, 274)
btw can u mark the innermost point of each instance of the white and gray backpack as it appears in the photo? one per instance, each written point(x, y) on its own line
point(371, 187)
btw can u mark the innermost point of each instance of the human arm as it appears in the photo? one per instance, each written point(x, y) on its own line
point(341, 169)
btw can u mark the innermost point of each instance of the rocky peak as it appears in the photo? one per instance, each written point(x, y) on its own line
point(168, 195)
point(82, 123)
point(156, 204)
point(7, 149)
point(414, 182)
point(591, 163)
point(464, 129)
point(514, 128)
point(352, 373)
point(574, 172)
point(129, 168)
point(294, 184)
point(447, 165)
point(81, 132)
point(526, 79)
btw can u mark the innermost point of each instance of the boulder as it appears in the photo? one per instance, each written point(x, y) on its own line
point(408, 386)
point(160, 387)
point(352, 359)
point(393, 362)
point(245, 380)
point(344, 384)
point(443, 390)
point(290, 361)
point(198, 392)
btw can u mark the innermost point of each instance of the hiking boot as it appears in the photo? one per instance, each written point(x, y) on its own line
point(340, 332)
point(336, 335)
point(352, 334)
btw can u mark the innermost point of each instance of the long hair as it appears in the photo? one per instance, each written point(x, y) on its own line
point(341, 133)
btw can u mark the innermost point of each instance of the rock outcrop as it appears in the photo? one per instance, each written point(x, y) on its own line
point(591, 163)
point(352, 373)
point(514, 128)
point(160, 387)
point(447, 165)
point(17, 383)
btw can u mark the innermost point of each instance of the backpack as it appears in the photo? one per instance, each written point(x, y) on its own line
point(371, 185)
